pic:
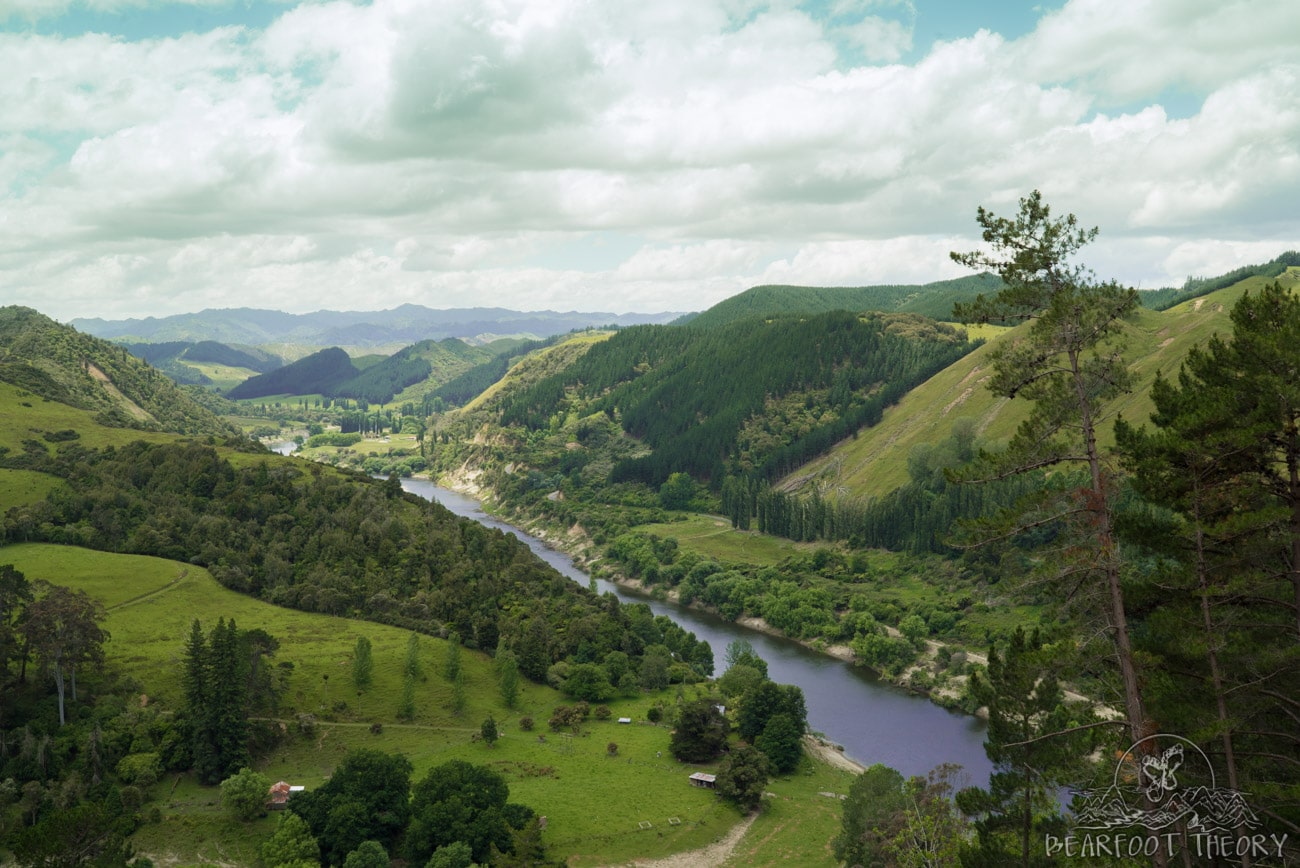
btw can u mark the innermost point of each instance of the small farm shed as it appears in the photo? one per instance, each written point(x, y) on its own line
point(278, 795)
point(700, 779)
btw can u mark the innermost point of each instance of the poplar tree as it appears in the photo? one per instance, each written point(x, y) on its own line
point(414, 668)
point(363, 664)
point(451, 666)
point(1067, 362)
point(15, 596)
point(196, 682)
point(406, 707)
point(229, 698)
point(508, 675)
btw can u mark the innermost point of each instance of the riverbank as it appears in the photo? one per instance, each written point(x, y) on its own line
point(930, 675)
point(875, 721)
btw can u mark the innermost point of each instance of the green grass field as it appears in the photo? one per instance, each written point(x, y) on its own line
point(981, 331)
point(380, 447)
point(713, 537)
point(224, 377)
point(24, 416)
point(594, 803)
point(23, 487)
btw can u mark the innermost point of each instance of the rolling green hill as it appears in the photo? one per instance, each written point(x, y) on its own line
point(689, 393)
point(934, 300)
point(58, 363)
point(319, 373)
point(875, 461)
point(594, 802)
point(153, 524)
point(410, 374)
point(447, 359)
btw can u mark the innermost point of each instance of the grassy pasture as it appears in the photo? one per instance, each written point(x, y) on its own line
point(594, 802)
point(222, 376)
point(23, 487)
point(875, 462)
point(714, 537)
point(798, 822)
point(987, 331)
point(25, 416)
point(368, 447)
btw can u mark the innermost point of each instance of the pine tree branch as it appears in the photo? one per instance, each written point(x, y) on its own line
point(1265, 755)
point(1283, 820)
point(1117, 722)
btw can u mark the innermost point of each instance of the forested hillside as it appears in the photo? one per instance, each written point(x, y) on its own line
point(752, 397)
point(934, 300)
point(59, 363)
point(324, 542)
point(332, 374)
point(318, 374)
point(462, 389)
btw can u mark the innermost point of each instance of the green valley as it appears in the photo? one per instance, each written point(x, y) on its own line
point(780, 462)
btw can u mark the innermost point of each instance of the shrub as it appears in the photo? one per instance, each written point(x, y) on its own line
point(140, 769)
point(244, 794)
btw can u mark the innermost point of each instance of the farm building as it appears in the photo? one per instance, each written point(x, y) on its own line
point(278, 796)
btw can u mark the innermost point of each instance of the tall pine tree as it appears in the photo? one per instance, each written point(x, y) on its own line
point(1224, 461)
point(1067, 362)
point(216, 695)
point(1031, 756)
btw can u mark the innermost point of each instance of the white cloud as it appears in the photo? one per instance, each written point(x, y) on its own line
point(1126, 50)
point(908, 259)
point(357, 155)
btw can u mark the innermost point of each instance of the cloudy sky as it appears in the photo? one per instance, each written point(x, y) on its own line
point(621, 155)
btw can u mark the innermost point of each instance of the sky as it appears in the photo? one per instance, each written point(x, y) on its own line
point(167, 156)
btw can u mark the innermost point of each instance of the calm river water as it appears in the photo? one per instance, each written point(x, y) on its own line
point(876, 723)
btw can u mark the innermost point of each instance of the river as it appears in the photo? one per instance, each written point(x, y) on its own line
point(874, 721)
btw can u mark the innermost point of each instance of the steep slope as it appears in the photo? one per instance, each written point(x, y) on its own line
point(60, 364)
point(875, 462)
point(446, 359)
point(317, 374)
point(745, 398)
point(407, 375)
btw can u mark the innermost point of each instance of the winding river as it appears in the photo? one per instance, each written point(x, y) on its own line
point(875, 722)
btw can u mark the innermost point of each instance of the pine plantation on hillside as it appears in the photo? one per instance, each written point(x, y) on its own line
point(689, 392)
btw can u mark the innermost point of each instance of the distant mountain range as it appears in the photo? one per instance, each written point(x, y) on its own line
point(407, 324)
